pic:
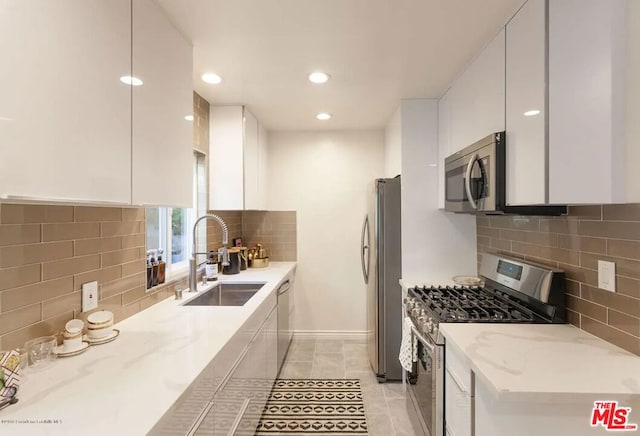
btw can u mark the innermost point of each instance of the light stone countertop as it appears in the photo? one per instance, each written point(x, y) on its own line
point(544, 362)
point(126, 386)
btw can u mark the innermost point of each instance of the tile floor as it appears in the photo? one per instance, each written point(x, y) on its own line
point(319, 358)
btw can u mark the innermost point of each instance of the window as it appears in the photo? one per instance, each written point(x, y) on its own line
point(169, 229)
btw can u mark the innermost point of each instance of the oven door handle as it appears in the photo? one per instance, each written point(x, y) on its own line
point(424, 341)
point(467, 180)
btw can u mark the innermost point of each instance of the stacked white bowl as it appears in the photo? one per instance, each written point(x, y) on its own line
point(100, 324)
point(72, 335)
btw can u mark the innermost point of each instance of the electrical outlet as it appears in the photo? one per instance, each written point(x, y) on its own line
point(607, 275)
point(89, 296)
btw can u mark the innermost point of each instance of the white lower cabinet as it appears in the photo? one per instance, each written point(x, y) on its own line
point(239, 401)
point(458, 406)
point(459, 395)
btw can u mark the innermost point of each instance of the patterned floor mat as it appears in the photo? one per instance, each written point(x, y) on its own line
point(302, 406)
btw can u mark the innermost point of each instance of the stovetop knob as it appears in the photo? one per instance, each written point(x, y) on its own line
point(430, 325)
point(410, 303)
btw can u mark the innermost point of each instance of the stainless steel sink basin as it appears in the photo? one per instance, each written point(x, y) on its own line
point(227, 294)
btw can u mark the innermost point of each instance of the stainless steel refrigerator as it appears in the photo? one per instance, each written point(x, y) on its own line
point(381, 269)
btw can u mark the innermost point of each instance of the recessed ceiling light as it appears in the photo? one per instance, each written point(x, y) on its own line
point(323, 116)
point(131, 80)
point(319, 77)
point(531, 113)
point(212, 78)
point(188, 117)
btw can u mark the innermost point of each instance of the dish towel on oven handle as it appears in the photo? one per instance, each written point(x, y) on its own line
point(408, 347)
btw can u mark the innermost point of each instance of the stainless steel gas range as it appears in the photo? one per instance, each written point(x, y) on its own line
point(514, 291)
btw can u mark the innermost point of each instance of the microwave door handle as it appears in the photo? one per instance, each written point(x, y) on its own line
point(467, 180)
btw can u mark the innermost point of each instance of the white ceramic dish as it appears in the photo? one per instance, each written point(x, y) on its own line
point(72, 344)
point(100, 318)
point(467, 280)
point(112, 337)
point(74, 326)
point(67, 335)
point(60, 351)
point(100, 333)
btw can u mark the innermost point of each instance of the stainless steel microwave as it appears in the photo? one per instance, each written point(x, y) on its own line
point(475, 181)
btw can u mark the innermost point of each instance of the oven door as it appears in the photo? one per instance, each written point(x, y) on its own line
point(427, 393)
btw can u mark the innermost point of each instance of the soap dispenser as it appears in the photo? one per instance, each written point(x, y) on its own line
point(149, 271)
point(154, 269)
point(161, 267)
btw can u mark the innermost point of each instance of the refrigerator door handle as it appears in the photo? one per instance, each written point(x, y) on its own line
point(364, 249)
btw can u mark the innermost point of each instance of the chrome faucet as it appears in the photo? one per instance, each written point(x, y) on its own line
point(223, 252)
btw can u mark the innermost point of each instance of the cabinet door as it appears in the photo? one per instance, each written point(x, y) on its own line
point(65, 116)
point(162, 153)
point(458, 405)
point(250, 162)
point(586, 110)
point(444, 141)
point(238, 404)
point(459, 393)
point(526, 106)
point(478, 97)
point(271, 345)
point(632, 126)
point(226, 179)
point(263, 147)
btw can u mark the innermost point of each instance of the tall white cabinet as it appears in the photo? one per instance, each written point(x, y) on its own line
point(65, 116)
point(444, 142)
point(237, 159)
point(162, 143)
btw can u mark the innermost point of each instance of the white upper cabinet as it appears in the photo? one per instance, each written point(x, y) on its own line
point(588, 55)
point(444, 141)
point(250, 161)
point(473, 107)
point(65, 116)
point(236, 159)
point(162, 138)
point(226, 173)
point(478, 97)
point(526, 106)
point(578, 64)
point(263, 147)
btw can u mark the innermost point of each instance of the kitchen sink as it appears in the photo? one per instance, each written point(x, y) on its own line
point(227, 294)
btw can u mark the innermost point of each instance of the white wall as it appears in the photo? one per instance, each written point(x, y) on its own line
point(393, 146)
point(436, 245)
point(324, 177)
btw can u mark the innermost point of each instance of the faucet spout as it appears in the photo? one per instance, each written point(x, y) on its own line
point(224, 253)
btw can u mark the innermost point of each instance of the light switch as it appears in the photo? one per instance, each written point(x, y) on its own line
point(89, 296)
point(607, 275)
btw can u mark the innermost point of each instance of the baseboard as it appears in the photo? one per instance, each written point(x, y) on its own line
point(331, 334)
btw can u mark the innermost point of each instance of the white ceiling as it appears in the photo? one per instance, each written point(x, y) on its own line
point(377, 52)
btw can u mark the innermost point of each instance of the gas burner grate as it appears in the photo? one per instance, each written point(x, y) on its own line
point(471, 304)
